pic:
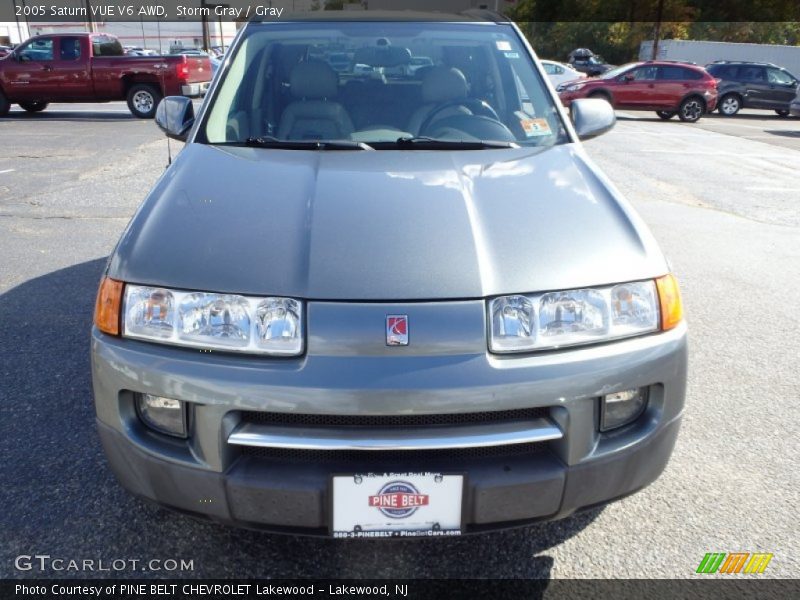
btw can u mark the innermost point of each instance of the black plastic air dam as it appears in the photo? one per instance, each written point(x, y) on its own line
point(280, 496)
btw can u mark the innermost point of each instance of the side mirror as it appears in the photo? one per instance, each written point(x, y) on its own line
point(175, 117)
point(592, 117)
point(627, 77)
point(23, 57)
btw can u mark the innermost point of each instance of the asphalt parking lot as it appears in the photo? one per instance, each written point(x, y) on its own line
point(722, 197)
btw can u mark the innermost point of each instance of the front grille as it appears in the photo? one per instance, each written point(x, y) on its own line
point(418, 420)
point(387, 457)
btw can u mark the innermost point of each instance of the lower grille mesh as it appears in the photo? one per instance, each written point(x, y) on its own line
point(417, 420)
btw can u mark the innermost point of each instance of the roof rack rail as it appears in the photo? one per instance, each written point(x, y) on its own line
point(679, 62)
point(744, 62)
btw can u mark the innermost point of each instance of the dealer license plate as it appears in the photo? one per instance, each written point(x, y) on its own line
point(397, 505)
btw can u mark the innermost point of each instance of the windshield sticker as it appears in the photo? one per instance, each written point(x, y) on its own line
point(535, 127)
point(503, 45)
point(511, 54)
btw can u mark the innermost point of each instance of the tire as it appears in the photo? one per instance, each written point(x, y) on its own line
point(5, 105)
point(729, 105)
point(143, 100)
point(666, 114)
point(33, 107)
point(691, 109)
point(782, 112)
point(601, 96)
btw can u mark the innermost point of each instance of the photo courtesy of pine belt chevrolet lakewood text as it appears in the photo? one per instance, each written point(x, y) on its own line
point(390, 297)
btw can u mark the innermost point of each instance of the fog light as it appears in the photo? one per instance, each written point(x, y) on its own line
point(162, 414)
point(621, 408)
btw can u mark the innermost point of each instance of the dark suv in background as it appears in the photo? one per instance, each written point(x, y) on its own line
point(753, 85)
point(669, 88)
point(586, 61)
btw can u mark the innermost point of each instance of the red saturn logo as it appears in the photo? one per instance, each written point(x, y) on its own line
point(397, 330)
point(398, 499)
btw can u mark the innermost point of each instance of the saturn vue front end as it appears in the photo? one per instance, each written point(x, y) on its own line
point(382, 301)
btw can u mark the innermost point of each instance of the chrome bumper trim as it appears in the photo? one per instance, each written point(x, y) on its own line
point(195, 89)
point(430, 438)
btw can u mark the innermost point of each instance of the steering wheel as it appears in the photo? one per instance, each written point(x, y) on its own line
point(476, 106)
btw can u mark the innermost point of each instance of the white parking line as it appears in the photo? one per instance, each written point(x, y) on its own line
point(714, 153)
point(744, 125)
point(771, 189)
point(87, 110)
point(7, 171)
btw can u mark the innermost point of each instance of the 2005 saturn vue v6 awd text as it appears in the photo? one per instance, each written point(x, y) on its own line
point(378, 301)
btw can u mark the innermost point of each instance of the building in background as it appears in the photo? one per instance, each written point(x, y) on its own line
point(12, 33)
point(702, 53)
point(168, 36)
point(161, 36)
point(446, 6)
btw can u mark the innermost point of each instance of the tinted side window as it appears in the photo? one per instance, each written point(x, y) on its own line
point(645, 73)
point(752, 74)
point(731, 72)
point(70, 48)
point(550, 69)
point(103, 45)
point(691, 74)
point(672, 73)
point(723, 71)
point(780, 77)
point(41, 49)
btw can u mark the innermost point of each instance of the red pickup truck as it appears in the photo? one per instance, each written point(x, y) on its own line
point(91, 67)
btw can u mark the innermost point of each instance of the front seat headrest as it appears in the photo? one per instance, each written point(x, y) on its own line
point(442, 84)
point(313, 80)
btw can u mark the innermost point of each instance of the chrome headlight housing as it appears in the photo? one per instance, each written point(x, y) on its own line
point(211, 321)
point(523, 323)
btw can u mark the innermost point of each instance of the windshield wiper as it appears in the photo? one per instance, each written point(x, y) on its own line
point(421, 142)
point(273, 142)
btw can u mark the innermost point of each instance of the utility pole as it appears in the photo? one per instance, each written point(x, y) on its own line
point(204, 21)
point(89, 21)
point(19, 28)
point(657, 31)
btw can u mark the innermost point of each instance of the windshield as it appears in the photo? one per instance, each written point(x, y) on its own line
point(617, 71)
point(377, 83)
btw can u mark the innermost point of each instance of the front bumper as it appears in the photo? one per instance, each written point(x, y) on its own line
point(567, 98)
point(711, 102)
point(289, 491)
point(287, 496)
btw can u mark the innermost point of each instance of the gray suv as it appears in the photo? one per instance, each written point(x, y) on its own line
point(386, 307)
point(753, 85)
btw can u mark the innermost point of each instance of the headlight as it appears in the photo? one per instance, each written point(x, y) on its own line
point(214, 321)
point(572, 317)
point(575, 87)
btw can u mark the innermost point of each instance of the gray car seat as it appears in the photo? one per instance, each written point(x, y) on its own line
point(440, 85)
point(313, 115)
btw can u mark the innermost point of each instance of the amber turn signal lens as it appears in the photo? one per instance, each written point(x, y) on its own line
point(669, 297)
point(106, 310)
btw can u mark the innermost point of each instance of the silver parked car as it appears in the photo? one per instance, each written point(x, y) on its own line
point(386, 308)
point(560, 73)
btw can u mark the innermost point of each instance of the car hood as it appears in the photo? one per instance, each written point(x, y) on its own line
point(384, 225)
